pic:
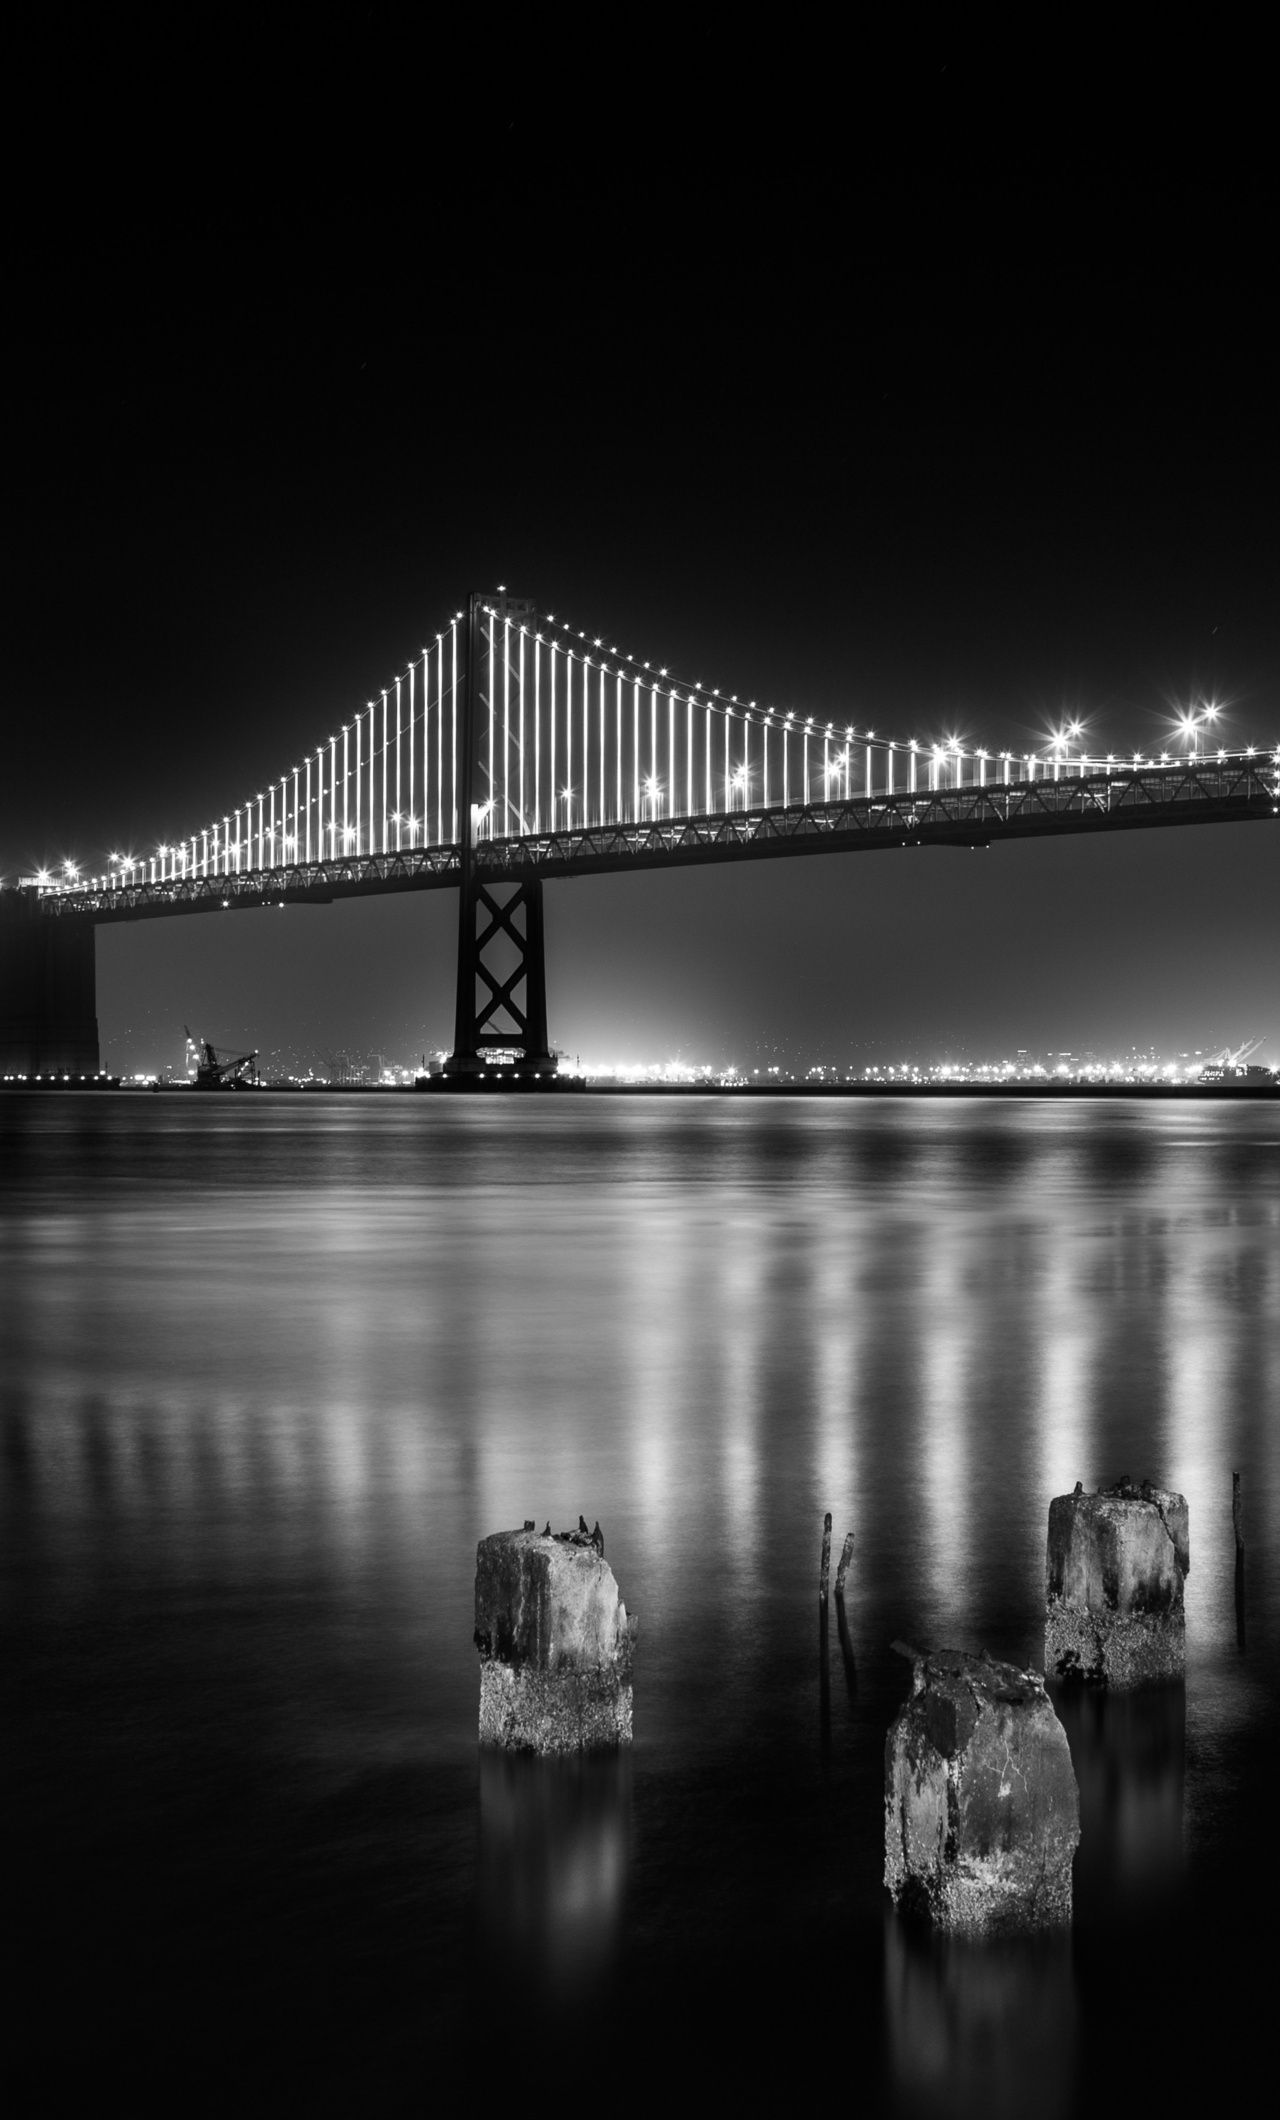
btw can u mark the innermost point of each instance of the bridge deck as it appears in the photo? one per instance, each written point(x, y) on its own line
point(1219, 791)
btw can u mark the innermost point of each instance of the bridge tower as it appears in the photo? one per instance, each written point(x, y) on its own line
point(48, 990)
point(502, 977)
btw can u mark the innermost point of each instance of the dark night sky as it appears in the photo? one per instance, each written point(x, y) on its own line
point(951, 438)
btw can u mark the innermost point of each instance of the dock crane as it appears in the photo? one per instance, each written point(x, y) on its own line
point(1232, 1064)
point(1239, 1058)
point(222, 1070)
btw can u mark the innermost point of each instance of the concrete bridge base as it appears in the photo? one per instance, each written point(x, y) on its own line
point(48, 991)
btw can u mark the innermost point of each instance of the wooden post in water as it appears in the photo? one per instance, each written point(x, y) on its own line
point(1237, 1524)
point(824, 1670)
point(846, 1645)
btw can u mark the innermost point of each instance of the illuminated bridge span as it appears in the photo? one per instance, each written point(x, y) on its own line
point(567, 757)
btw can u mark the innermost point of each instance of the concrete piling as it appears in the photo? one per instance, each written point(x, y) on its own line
point(555, 1642)
point(1115, 1567)
point(981, 1809)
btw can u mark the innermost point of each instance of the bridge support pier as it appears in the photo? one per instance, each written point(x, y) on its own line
point(502, 980)
point(48, 991)
point(501, 1016)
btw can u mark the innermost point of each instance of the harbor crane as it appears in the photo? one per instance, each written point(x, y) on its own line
point(222, 1070)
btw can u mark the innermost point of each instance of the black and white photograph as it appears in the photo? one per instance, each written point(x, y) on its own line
point(639, 1072)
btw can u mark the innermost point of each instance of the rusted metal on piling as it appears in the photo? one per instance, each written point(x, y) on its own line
point(824, 1574)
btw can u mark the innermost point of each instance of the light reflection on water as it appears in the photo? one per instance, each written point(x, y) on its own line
point(272, 1366)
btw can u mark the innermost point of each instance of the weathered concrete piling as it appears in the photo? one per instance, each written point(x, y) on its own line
point(555, 1642)
point(981, 1814)
point(1114, 1574)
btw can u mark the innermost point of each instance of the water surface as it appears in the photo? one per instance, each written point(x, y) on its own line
point(270, 1366)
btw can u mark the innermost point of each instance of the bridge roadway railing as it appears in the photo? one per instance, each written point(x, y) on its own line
point(1202, 791)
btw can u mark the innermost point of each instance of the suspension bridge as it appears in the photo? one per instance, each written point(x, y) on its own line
point(514, 748)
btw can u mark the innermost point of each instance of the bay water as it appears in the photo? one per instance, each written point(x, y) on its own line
point(271, 1365)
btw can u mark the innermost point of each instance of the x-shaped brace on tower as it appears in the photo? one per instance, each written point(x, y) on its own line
point(486, 920)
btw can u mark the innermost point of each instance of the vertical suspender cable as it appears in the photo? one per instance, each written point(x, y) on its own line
point(506, 729)
point(520, 789)
point(453, 726)
point(373, 791)
point(568, 733)
point(412, 751)
point(688, 806)
point(493, 790)
point(384, 769)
